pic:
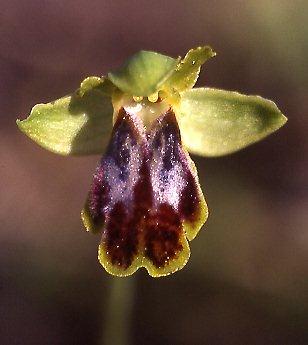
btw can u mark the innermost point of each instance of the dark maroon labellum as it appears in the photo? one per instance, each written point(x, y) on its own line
point(143, 191)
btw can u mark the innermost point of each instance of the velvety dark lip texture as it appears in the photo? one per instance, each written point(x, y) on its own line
point(142, 193)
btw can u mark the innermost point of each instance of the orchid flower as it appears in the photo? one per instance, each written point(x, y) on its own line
point(145, 197)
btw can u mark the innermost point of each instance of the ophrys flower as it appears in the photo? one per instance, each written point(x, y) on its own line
point(145, 197)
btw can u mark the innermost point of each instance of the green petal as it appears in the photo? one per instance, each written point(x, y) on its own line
point(187, 72)
point(217, 122)
point(74, 125)
point(102, 84)
point(143, 73)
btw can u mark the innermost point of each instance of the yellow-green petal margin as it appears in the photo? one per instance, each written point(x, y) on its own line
point(216, 122)
point(192, 228)
point(187, 71)
point(141, 261)
point(143, 73)
point(79, 124)
point(87, 221)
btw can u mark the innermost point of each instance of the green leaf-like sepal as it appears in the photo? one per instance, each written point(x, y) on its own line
point(187, 71)
point(143, 73)
point(217, 122)
point(73, 125)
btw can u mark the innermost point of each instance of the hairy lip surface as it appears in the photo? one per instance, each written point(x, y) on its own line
point(144, 196)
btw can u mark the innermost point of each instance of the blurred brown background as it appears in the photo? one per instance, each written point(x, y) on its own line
point(247, 279)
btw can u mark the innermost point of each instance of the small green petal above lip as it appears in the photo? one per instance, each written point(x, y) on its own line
point(79, 124)
point(216, 122)
point(102, 84)
point(143, 73)
point(187, 71)
point(90, 83)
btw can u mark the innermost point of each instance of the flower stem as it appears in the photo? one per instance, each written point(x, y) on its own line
point(118, 312)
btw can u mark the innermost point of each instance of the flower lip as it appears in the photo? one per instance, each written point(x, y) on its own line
point(139, 197)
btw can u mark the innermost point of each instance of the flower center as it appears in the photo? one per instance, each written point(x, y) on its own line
point(145, 109)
